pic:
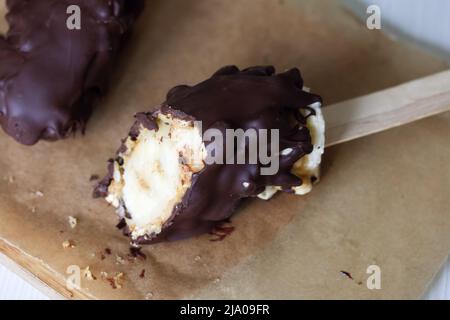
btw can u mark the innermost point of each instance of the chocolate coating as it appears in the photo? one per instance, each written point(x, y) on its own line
point(255, 98)
point(50, 76)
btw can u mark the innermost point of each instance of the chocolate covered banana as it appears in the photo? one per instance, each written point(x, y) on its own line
point(52, 69)
point(186, 167)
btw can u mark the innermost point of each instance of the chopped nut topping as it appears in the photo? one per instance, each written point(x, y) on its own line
point(68, 244)
point(73, 222)
point(116, 282)
point(120, 260)
point(88, 274)
point(39, 194)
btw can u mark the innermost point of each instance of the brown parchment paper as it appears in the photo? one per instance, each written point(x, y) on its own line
point(383, 200)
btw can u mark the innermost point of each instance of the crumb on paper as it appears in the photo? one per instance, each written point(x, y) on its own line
point(39, 194)
point(68, 244)
point(122, 224)
point(120, 260)
point(73, 222)
point(33, 209)
point(116, 281)
point(99, 254)
point(149, 296)
point(108, 251)
point(131, 258)
point(221, 232)
point(142, 274)
point(347, 274)
point(10, 179)
point(94, 177)
point(87, 273)
point(197, 258)
point(217, 280)
point(137, 253)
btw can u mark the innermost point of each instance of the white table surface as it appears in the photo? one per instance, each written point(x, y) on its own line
point(12, 287)
point(425, 21)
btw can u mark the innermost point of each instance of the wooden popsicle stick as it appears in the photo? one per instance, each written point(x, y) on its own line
point(386, 109)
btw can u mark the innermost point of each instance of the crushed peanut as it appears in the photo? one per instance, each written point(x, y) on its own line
point(68, 244)
point(88, 274)
point(73, 222)
point(39, 194)
point(149, 296)
point(116, 281)
point(120, 260)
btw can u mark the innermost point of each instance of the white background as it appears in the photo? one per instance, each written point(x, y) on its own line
point(424, 21)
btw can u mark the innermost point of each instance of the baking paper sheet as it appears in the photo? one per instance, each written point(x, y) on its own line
point(383, 200)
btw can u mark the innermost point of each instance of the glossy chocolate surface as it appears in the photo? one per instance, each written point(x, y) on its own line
point(50, 75)
point(256, 98)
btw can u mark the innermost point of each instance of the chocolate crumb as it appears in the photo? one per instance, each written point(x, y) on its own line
point(116, 282)
point(221, 232)
point(142, 275)
point(137, 253)
point(120, 161)
point(108, 251)
point(94, 177)
point(122, 224)
point(347, 274)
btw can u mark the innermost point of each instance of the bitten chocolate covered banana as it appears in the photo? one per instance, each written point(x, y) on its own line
point(186, 167)
point(52, 72)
